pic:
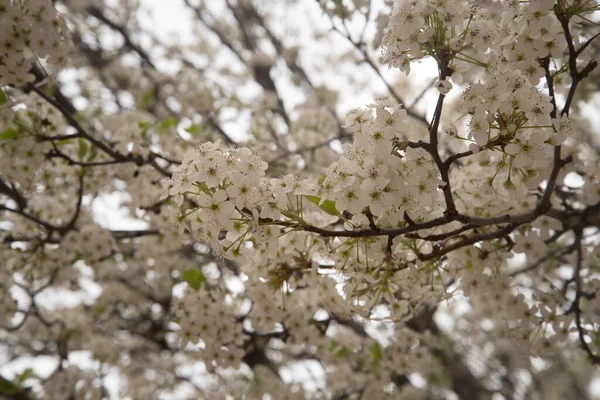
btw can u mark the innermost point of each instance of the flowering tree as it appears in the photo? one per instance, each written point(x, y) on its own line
point(406, 251)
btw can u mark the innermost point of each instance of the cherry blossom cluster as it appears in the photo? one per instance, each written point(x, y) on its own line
point(30, 31)
point(434, 28)
point(231, 194)
point(375, 171)
point(510, 110)
point(378, 172)
point(201, 316)
point(313, 240)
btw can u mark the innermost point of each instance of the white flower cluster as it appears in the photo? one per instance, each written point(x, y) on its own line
point(92, 242)
point(313, 125)
point(202, 317)
point(420, 28)
point(375, 173)
point(503, 105)
point(507, 110)
point(529, 31)
point(345, 263)
point(20, 158)
point(21, 151)
point(128, 131)
point(41, 264)
point(230, 193)
point(452, 29)
point(29, 30)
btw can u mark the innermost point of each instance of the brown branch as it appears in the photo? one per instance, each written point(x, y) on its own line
point(481, 237)
point(369, 61)
point(409, 110)
point(277, 44)
point(199, 12)
point(576, 303)
point(586, 44)
point(97, 13)
point(376, 232)
point(553, 254)
point(14, 194)
point(550, 81)
point(442, 236)
point(73, 219)
point(576, 76)
point(120, 234)
point(49, 227)
point(343, 135)
point(75, 124)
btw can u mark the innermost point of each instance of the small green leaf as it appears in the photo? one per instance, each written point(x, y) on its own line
point(144, 128)
point(376, 354)
point(341, 353)
point(328, 206)
point(469, 264)
point(194, 277)
point(338, 350)
point(93, 153)
point(7, 387)
point(293, 216)
point(193, 130)
point(50, 89)
point(166, 124)
point(3, 97)
point(24, 375)
point(9, 134)
point(83, 148)
point(99, 310)
point(145, 100)
point(62, 142)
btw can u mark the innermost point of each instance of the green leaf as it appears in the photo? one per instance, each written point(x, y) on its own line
point(166, 124)
point(62, 142)
point(3, 97)
point(376, 354)
point(24, 375)
point(338, 350)
point(145, 100)
point(194, 277)
point(99, 310)
point(469, 264)
point(50, 89)
point(341, 353)
point(193, 130)
point(93, 153)
point(328, 206)
point(9, 134)
point(234, 101)
point(293, 216)
point(144, 127)
point(83, 148)
point(7, 387)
